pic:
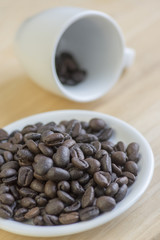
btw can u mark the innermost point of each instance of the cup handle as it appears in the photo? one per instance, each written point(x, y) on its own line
point(129, 55)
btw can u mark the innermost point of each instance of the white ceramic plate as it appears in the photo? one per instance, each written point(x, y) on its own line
point(124, 132)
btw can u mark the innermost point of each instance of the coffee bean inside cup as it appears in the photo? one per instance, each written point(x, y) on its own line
point(63, 173)
point(68, 70)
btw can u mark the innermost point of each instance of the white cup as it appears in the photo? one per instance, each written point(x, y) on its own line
point(94, 39)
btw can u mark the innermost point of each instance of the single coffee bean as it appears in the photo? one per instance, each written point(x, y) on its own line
point(73, 128)
point(99, 191)
point(132, 167)
point(32, 213)
point(94, 165)
point(119, 158)
point(97, 124)
point(8, 172)
point(88, 149)
point(39, 177)
point(14, 191)
point(50, 220)
point(89, 184)
point(47, 151)
point(86, 138)
point(76, 152)
point(74, 207)
point(105, 203)
point(27, 192)
point(80, 164)
point(130, 176)
point(64, 186)
point(102, 179)
point(96, 145)
point(116, 169)
point(75, 173)
point(8, 156)
point(133, 152)
point(25, 176)
point(8, 146)
point(32, 136)
point(3, 134)
point(69, 218)
point(99, 154)
point(17, 138)
point(122, 180)
point(69, 143)
point(50, 189)
point(54, 207)
point(25, 155)
point(105, 134)
point(58, 174)
point(6, 198)
point(121, 193)
point(4, 189)
point(32, 146)
point(6, 211)
point(1, 161)
point(43, 164)
point(38, 220)
point(19, 214)
point(88, 197)
point(41, 200)
point(88, 213)
point(76, 188)
point(29, 128)
point(120, 146)
point(106, 163)
point(62, 156)
point(112, 189)
point(113, 177)
point(65, 197)
point(108, 146)
point(37, 186)
point(54, 139)
point(10, 165)
point(27, 202)
point(84, 179)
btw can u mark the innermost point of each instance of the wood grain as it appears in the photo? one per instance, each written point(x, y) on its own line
point(135, 98)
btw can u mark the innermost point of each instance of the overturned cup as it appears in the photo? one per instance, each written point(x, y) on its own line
point(92, 37)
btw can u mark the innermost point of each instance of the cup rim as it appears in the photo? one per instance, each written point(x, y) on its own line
point(78, 16)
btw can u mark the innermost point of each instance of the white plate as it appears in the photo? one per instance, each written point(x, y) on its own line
point(124, 132)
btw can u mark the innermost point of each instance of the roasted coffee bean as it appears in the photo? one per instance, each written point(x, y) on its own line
point(27, 202)
point(5, 211)
point(17, 138)
point(1, 160)
point(62, 156)
point(27, 192)
point(58, 174)
point(99, 154)
point(96, 145)
point(130, 176)
point(108, 146)
point(88, 149)
point(112, 189)
point(122, 180)
point(50, 219)
point(99, 191)
point(84, 179)
point(116, 169)
point(64, 186)
point(80, 164)
point(39, 177)
point(103, 179)
point(121, 193)
point(75, 173)
point(29, 128)
point(43, 164)
point(69, 218)
point(132, 167)
point(105, 134)
point(88, 197)
point(65, 197)
point(32, 213)
point(11, 165)
point(54, 207)
point(8, 172)
point(4, 189)
point(105, 203)
point(25, 176)
point(47, 151)
point(37, 186)
point(38, 220)
point(86, 138)
point(88, 213)
point(69, 143)
point(119, 157)
point(54, 139)
point(50, 189)
point(94, 165)
point(76, 188)
point(89, 184)
point(77, 152)
point(97, 124)
point(85, 125)
point(6, 198)
point(32, 146)
point(120, 146)
point(41, 200)
point(8, 147)
point(73, 128)
point(74, 207)
point(25, 155)
point(14, 191)
point(8, 156)
point(133, 152)
point(106, 163)
point(19, 214)
point(3, 134)
point(32, 136)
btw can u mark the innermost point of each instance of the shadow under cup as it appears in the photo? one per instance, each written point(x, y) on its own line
point(97, 45)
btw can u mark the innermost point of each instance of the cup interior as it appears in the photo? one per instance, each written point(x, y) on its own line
point(96, 42)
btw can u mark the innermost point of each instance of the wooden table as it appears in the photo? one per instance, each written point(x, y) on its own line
point(135, 98)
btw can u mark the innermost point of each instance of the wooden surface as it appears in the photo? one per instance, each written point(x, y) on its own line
point(135, 98)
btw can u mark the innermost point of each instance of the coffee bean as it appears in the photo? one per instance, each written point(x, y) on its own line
point(50, 219)
point(80, 164)
point(64, 186)
point(86, 138)
point(105, 134)
point(116, 169)
point(120, 146)
point(25, 155)
point(1, 160)
point(88, 197)
point(8, 147)
point(99, 154)
point(6, 211)
point(69, 218)
point(121, 193)
point(132, 167)
point(32, 136)
point(27, 192)
point(74, 207)
point(76, 152)
point(54, 207)
point(29, 128)
point(50, 189)
point(8, 156)
point(65, 197)
point(84, 179)
point(6, 198)
point(99, 191)
point(105, 203)
point(62, 156)
point(88, 149)
point(69, 143)
point(57, 174)
point(27, 202)
point(106, 163)
point(32, 213)
point(32, 146)
point(108, 146)
point(14, 191)
point(96, 145)
point(97, 124)
point(4, 189)
point(102, 179)
point(130, 176)
point(19, 214)
point(73, 128)
point(3, 134)
point(112, 189)
point(41, 200)
point(25, 176)
point(43, 164)
point(10, 165)
point(8, 172)
point(122, 180)
point(76, 188)
point(133, 152)
point(17, 138)
point(54, 139)
point(47, 151)
point(38, 220)
point(94, 165)
point(88, 213)
point(75, 173)
point(37, 186)
point(119, 158)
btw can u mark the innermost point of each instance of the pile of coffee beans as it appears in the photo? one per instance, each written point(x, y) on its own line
point(63, 173)
point(68, 70)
